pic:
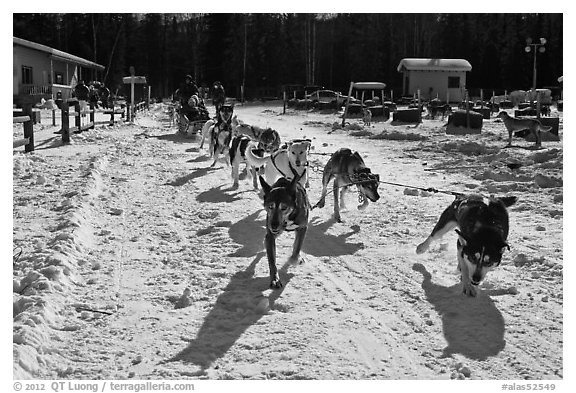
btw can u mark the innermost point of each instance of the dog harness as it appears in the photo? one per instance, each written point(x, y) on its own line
point(273, 159)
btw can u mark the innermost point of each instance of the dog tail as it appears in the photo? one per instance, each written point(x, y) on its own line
point(254, 160)
point(206, 127)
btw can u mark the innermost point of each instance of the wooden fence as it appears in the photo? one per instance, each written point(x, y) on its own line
point(76, 113)
point(24, 116)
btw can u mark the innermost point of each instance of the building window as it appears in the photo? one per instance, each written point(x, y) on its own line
point(27, 75)
point(453, 82)
point(58, 78)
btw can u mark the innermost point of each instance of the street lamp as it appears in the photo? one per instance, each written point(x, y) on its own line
point(535, 47)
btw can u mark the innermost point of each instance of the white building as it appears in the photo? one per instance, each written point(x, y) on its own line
point(442, 78)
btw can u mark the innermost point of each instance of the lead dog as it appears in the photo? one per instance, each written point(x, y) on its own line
point(523, 128)
point(221, 137)
point(482, 227)
point(288, 162)
point(348, 168)
point(223, 118)
point(287, 209)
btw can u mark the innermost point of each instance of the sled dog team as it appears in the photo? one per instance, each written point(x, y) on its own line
point(280, 169)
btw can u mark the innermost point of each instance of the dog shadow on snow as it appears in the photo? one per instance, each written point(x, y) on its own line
point(250, 231)
point(219, 194)
point(472, 326)
point(180, 181)
point(235, 309)
point(232, 314)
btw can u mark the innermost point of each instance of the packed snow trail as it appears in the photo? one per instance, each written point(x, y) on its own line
point(173, 279)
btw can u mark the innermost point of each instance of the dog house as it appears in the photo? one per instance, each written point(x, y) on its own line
point(442, 78)
point(368, 98)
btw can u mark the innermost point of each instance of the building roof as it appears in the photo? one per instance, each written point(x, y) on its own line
point(412, 64)
point(369, 85)
point(57, 53)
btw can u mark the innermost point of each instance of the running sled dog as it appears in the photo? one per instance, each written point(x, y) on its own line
point(238, 148)
point(288, 162)
point(523, 128)
point(218, 132)
point(347, 168)
point(267, 138)
point(287, 209)
point(482, 227)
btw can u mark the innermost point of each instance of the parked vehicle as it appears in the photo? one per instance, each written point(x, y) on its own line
point(329, 97)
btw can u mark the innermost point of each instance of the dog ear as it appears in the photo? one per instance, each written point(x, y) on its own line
point(463, 238)
point(508, 201)
point(265, 186)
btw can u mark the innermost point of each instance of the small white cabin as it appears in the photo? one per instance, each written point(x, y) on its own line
point(442, 78)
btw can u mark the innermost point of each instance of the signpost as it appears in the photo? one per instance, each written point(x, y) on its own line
point(132, 80)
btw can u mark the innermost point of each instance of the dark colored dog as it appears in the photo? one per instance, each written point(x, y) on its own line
point(267, 138)
point(482, 234)
point(221, 137)
point(269, 141)
point(287, 209)
point(348, 168)
point(212, 127)
point(435, 110)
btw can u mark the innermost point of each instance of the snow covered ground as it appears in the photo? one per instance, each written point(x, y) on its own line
point(140, 262)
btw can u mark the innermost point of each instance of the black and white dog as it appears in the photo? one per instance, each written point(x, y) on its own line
point(482, 226)
point(218, 131)
point(238, 148)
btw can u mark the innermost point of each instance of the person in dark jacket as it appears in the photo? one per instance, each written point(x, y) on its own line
point(94, 96)
point(218, 95)
point(81, 91)
point(185, 92)
point(104, 94)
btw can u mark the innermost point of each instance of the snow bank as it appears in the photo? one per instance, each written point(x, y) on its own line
point(44, 278)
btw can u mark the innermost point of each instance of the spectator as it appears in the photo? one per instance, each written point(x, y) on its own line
point(59, 99)
point(104, 93)
point(82, 93)
point(218, 95)
point(93, 98)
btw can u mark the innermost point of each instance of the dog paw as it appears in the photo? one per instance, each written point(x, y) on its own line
point(276, 284)
point(468, 289)
point(296, 260)
point(421, 248)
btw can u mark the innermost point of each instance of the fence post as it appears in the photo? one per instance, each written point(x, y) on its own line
point(28, 127)
point(78, 117)
point(65, 122)
point(92, 110)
